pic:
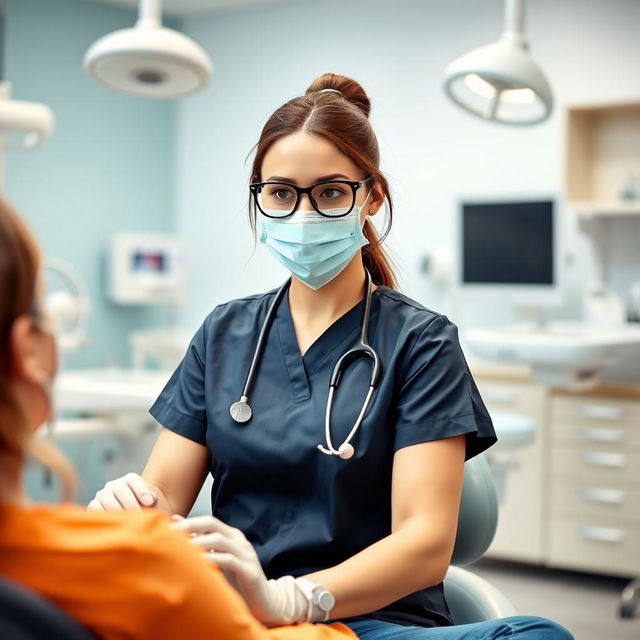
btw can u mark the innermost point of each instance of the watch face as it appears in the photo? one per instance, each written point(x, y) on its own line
point(326, 600)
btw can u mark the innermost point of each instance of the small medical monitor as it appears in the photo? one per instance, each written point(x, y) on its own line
point(146, 268)
point(508, 243)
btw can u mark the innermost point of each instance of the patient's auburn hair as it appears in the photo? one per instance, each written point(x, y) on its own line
point(19, 269)
point(19, 265)
point(343, 119)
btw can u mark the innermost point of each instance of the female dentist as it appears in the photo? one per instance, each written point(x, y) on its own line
point(352, 487)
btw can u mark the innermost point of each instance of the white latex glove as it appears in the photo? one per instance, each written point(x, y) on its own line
point(128, 493)
point(273, 602)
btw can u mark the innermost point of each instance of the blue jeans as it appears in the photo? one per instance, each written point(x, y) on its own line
point(525, 627)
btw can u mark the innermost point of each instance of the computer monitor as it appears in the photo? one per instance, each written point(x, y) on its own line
point(510, 250)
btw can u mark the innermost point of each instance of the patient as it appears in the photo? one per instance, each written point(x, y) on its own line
point(119, 574)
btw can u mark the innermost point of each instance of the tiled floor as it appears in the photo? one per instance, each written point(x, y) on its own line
point(585, 604)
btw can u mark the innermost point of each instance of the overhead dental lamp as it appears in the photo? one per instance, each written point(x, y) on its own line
point(149, 60)
point(23, 125)
point(500, 82)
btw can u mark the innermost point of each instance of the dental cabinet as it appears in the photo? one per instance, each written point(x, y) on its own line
point(572, 496)
point(593, 482)
point(520, 528)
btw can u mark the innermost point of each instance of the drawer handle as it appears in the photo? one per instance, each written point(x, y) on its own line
point(602, 534)
point(609, 496)
point(600, 434)
point(501, 396)
point(604, 459)
point(601, 412)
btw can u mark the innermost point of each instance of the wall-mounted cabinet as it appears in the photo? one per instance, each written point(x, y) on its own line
point(602, 173)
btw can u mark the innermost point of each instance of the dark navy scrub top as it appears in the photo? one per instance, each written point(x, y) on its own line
point(303, 510)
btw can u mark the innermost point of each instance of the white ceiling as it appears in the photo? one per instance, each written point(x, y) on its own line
point(189, 7)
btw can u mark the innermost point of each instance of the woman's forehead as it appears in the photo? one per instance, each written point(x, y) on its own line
point(303, 156)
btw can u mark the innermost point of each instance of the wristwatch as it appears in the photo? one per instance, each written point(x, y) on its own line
point(320, 599)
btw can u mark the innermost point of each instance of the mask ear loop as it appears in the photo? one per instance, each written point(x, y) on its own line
point(362, 205)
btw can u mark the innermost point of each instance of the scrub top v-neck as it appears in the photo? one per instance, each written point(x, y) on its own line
point(303, 510)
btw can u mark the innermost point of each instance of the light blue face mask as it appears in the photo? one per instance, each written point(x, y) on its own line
point(313, 247)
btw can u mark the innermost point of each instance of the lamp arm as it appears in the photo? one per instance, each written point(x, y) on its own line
point(514, 13)
point(150, 14)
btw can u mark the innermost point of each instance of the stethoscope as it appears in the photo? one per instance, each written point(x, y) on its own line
point(241, 411)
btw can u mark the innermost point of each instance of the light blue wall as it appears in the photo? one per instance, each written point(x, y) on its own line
point(432, 152)
point(112, 163)
point(108, 166)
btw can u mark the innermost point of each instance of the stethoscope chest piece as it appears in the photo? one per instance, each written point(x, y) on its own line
point(346, 451)
point(241, 411)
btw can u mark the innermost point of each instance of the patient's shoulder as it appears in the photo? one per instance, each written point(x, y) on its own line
point(73, 528)
point(140, 530)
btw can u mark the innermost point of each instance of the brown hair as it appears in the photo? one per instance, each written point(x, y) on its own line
point(343, 119)
point(19, 268)
point(19, 265)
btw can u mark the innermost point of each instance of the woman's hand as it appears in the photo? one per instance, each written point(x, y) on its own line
point(128, 493)
point(228, 548)
point(273, 602)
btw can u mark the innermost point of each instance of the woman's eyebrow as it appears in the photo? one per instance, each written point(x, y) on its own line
point(322, 179)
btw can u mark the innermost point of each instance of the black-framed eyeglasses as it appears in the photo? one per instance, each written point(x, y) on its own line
point(330, 198)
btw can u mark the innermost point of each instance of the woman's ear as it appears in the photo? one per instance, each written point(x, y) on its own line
point(376, 199)
point(24, 352)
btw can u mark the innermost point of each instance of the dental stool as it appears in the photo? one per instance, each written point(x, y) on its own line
point(470, 597)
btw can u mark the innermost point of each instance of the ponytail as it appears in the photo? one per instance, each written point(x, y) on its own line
point(375, 259)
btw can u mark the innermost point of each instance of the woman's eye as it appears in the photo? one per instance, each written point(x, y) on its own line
point(280, 194)
point(332, 193)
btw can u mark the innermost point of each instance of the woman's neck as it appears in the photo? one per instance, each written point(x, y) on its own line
point(314, 311)
point(331, 301)
point(11, 487)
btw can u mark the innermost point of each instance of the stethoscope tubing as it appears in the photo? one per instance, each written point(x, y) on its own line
point(241, 411)
point(346, 449)
point(262, 338)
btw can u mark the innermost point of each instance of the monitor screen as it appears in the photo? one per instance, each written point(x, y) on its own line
point(508, 243)
point(149, 261)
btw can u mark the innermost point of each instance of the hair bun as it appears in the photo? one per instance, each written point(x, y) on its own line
point(349, 89)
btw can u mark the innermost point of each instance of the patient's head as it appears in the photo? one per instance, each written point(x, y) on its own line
point(28, 360)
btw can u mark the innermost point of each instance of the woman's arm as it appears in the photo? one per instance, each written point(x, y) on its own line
point(425, 500)
point(175, 471)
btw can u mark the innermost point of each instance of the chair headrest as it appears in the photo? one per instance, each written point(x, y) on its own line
point(478, 517)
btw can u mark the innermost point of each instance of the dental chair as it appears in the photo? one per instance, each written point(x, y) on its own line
point(25, 615)
point(470, 597)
